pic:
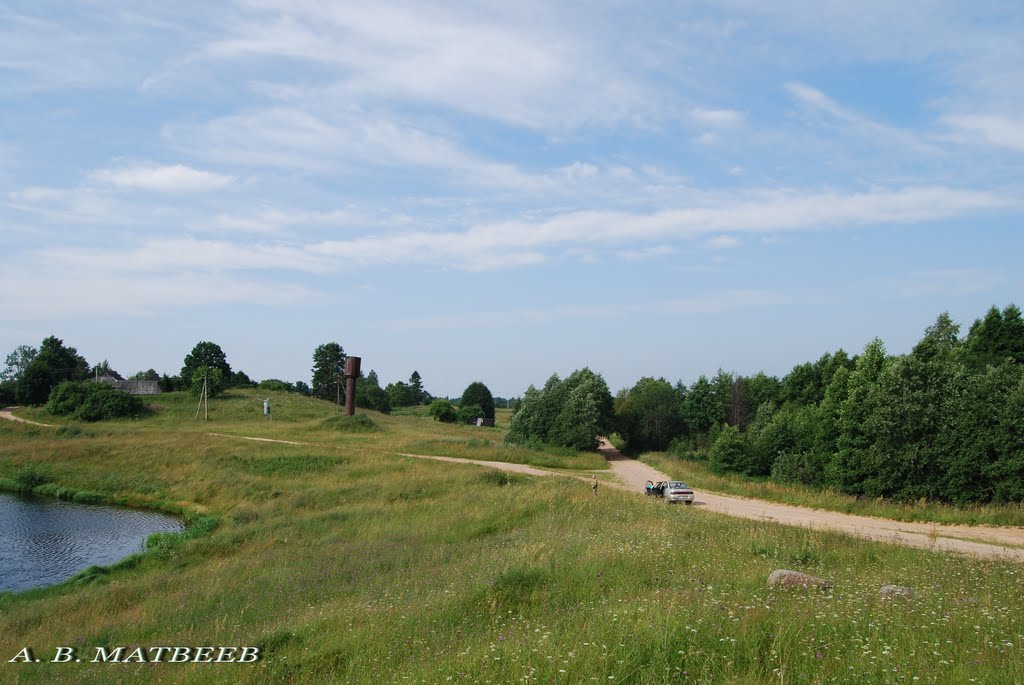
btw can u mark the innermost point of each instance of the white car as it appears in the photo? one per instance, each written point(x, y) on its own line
point(677, 491)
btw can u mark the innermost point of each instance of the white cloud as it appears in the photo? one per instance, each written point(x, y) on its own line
point(705, 303)
point(646, 253)
point(513, 243)
point(175, 178)
point(947, 282)
point(86, 293)
point(721, 118)
point(349, 140)
point(723, 242)
point(990, 128)
point(185, 254)
point(512, 64)
point(854, 122)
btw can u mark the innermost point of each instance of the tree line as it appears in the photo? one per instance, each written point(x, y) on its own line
point(944, 421)
point(31, 376)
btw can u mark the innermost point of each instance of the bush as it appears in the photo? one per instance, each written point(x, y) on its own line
point(8, 390)
point(468, 413)
point(30, 476)
point(443, 411)
point(275, 384)
point(806, 468)
point(90, 401)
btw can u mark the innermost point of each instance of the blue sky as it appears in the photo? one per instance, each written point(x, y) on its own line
point(498, 191)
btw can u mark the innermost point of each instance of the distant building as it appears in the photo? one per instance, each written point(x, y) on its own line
point(114, 380)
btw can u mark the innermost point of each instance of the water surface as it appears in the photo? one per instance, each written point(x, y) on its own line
point(45, 541)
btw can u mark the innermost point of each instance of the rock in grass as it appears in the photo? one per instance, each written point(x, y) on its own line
point(896, 592)
point(785, 579)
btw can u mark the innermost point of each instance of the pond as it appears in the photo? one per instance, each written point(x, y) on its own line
point(45, 541)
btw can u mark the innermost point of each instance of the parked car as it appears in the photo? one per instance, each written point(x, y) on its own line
point(672, 490)
point(677, 491)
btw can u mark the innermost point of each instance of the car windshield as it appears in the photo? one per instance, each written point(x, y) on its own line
point(677, 485)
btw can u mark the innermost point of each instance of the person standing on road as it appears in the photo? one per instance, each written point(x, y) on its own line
point(593, 485)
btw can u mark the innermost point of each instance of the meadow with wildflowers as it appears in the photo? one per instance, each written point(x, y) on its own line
point(346, 562)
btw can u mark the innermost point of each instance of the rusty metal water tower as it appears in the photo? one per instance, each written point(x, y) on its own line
point(351, 374)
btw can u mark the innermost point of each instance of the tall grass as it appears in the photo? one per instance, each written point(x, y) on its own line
point(346, 563)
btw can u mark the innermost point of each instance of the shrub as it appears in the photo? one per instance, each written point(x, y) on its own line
point(30, 476)
point(90, 401)
point(799, 467)
point(443, 411)
point(468, 413)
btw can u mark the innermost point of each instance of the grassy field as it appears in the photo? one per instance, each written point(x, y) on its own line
point(344, 562)
point(701, 476)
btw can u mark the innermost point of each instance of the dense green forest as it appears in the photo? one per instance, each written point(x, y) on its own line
point(944, 422)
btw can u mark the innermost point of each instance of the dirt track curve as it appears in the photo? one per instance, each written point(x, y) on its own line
point(7, 413)
point(981, 541)
point(629, 474)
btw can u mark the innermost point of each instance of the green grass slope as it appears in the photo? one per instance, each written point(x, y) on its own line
point(345, 563)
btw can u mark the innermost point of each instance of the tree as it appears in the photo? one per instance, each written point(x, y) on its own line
point(240, 379)
point(571, 413)
point(54, 363)
point(650, 415)
point(369, 394)
point(103, 369)
point(996, 337)
point(701, 408)
point(940, 339)
point(302, 388)
point(206, 354)
point(276, 385)
point(476, 393)
point(148, 375)
point(400, 395)
point(849, 468)
point(328, 371)
point(729, 451)
point(214, 378)
point(17, 361)
point(416, 387)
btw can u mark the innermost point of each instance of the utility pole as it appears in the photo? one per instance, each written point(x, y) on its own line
point(204, 396)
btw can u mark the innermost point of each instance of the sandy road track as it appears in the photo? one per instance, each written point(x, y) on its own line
point(7, 413)
point(981, 541)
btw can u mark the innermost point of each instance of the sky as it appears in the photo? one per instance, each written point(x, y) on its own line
point(500, 191)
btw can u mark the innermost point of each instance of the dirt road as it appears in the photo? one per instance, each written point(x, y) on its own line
point(630, 474)
point(7, 413)
point(983, 541)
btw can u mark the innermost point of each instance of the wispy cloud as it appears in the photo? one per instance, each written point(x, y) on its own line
point(854, 122)
point(186, 254)
point(723, 242)
point(718, 302)
point(96, 291)
point(992, 129)
point(175, 178)
point(948, 282)
point(717, 117)
point(350, 140)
